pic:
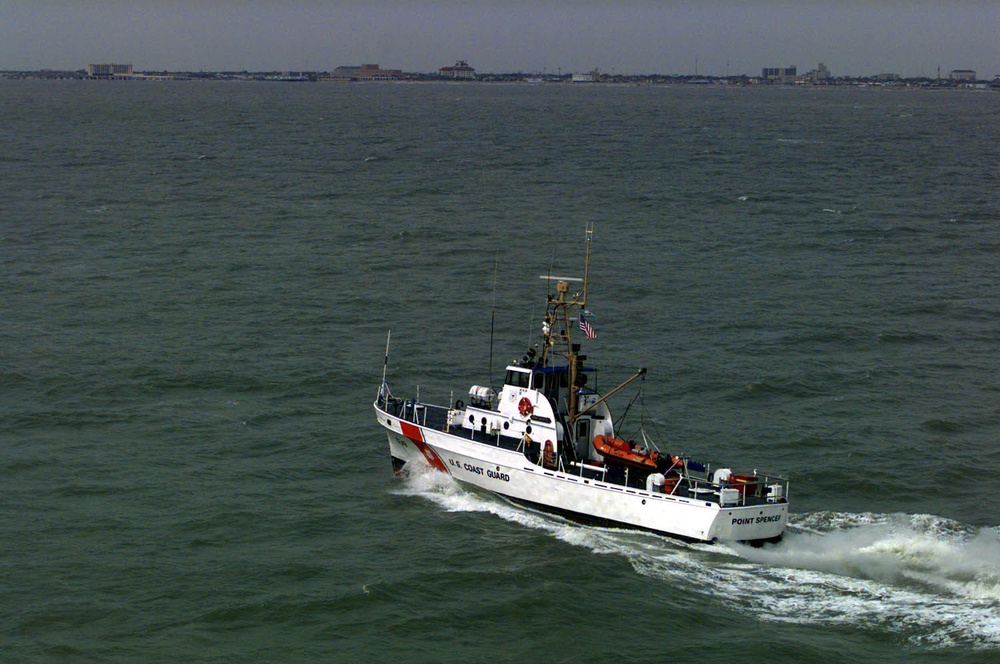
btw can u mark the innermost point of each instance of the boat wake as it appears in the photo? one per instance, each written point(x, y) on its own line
point(931, 581)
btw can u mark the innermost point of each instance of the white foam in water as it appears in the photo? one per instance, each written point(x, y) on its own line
point(931, 579)
point(935, 582)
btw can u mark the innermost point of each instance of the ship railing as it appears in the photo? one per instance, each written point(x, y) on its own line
point(424, 414)
point(753, 489)
point(412, 410)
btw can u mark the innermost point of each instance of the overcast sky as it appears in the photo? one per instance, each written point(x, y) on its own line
point(709, 37)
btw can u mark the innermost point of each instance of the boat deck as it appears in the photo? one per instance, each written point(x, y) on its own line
point(692, 484)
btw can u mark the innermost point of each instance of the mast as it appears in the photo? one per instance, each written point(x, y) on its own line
point(557, 330)
point(586, 268)
point(557, 334)
point(575, 359)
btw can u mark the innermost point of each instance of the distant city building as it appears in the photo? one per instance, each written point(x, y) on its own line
point(460, 70)
point(886, 77)
point(583, 78)
point(346, 72)
point(109, 71)
point(366, 73)
point(821, 73)
point(962, 75)
point(779, 74)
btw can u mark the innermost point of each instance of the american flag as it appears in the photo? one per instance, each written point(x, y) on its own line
point(587, 328)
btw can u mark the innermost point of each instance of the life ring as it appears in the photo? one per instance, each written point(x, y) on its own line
point(524, 407)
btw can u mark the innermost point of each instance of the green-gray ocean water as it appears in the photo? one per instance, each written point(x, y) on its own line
point(197, 279)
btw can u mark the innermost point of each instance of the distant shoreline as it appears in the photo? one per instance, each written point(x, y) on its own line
point(653, 80)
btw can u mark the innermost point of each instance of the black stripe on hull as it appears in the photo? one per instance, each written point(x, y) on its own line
point(589, 520)
point(585, 519)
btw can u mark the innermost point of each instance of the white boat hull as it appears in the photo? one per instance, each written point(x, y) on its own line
point(509, 473)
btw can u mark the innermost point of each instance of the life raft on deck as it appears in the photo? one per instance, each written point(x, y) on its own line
point(622, 451)
point(744, 484)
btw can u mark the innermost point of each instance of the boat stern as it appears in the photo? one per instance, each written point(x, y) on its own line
point(757, 523)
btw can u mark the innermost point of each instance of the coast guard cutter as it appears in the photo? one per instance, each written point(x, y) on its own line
point(548, 440)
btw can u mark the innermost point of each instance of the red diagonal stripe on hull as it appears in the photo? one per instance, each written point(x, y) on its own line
point(414, 434)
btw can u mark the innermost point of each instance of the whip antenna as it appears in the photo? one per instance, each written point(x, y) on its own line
point(385, 364)
point(493, 314)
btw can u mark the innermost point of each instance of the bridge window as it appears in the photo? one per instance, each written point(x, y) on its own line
point(518, 378)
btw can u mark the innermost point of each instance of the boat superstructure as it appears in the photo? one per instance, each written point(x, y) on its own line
point(547, 439)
